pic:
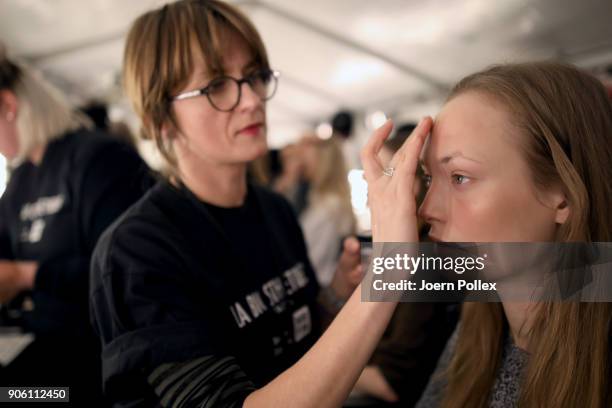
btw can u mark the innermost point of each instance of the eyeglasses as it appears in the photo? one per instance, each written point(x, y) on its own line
point(224, 92)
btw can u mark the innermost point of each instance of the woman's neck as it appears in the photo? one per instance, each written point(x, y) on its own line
point(520, 318)
point(220, 185)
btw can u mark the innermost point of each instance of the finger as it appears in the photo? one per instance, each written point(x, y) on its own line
point(356, 275)
point(417, 137)
point(407, 158)
point(351, 244)
point(369, 154)
point(349, 260)
point(359, 270)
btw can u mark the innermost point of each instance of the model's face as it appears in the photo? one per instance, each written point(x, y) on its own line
point(9, 142)
point(481, 189)
point(207, 135)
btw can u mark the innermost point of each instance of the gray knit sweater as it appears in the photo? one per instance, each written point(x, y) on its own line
point(505, 390)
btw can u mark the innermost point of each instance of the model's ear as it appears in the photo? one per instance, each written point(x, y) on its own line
point(561, 206)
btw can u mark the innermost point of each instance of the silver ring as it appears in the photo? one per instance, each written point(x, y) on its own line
point(389, 171)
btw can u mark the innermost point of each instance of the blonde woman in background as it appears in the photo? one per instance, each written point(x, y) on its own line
point(61, 195)
point(328, 216)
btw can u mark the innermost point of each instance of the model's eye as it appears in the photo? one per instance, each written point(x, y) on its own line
point(426, 180)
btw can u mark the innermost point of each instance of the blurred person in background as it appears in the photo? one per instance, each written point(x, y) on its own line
point(98, 113)
point(281, 170)
point(342, 124)
point(122, 131)
point(328, 217)
point(263, 169)
point(67, 185)
point(290, 181)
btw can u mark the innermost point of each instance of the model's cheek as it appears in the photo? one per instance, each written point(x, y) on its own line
point(471, 219)
point(517, 217)
point(534, 222)
point(484, 214)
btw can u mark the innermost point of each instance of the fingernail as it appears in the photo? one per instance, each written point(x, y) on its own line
point(384, 124)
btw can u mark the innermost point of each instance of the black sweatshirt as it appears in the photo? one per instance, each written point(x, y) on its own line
point(53, 213)
point(176, 280)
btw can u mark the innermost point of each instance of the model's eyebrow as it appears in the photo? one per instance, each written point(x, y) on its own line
point(449, 158)
point(446, 159)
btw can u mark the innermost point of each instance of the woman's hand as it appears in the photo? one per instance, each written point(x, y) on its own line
point(349, 271)
point(391, 195)
point(15, 277)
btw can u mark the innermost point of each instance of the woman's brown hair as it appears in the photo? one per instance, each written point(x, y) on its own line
point(564, 118)
point(159, 56)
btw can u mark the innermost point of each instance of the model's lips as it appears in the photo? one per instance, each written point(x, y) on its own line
point(252, 129)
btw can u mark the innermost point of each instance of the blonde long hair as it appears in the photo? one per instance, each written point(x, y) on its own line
point(44, 114)
point(566, 119)
point(330, 177)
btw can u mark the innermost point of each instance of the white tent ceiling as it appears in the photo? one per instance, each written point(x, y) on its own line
point(398, 56)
